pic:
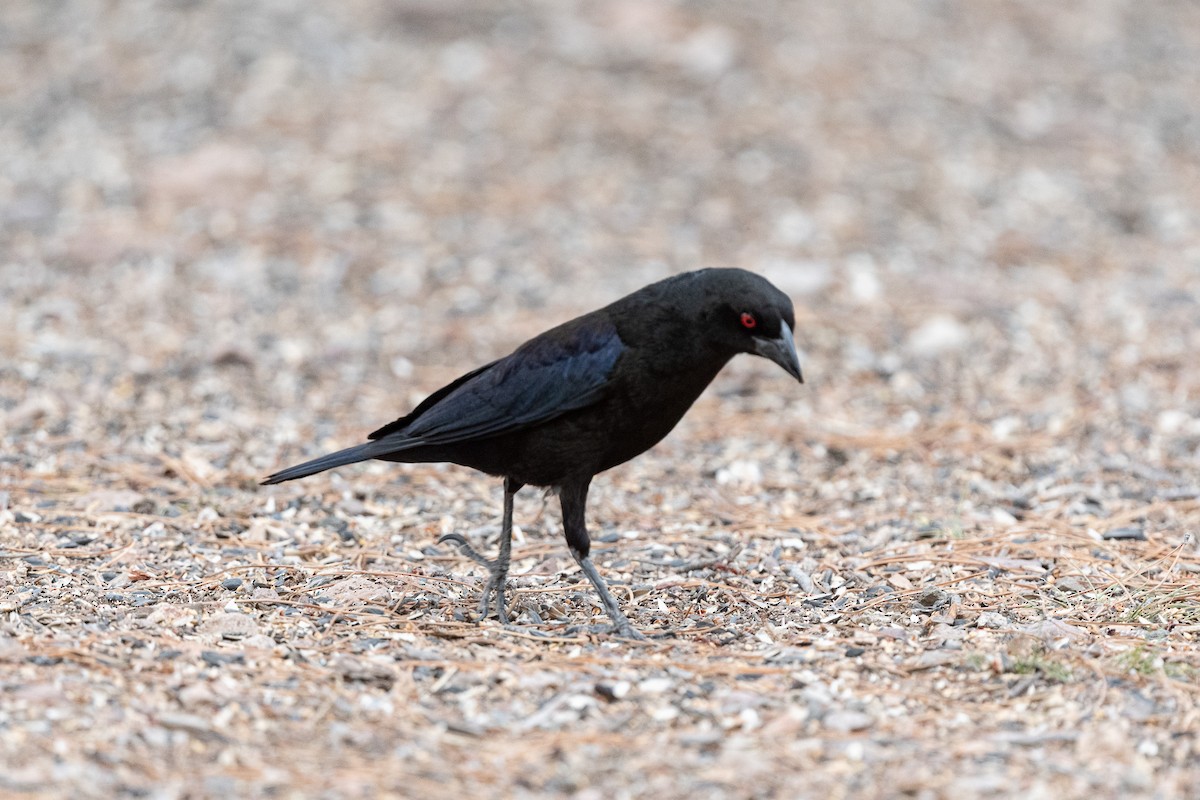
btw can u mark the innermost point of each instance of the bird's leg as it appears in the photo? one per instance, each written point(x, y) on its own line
point(498, 569)
point(574, 498)
point(621, 623)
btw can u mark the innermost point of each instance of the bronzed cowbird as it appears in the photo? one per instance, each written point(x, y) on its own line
point(583, 397)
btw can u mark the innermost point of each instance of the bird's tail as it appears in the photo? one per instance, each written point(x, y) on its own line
point(351, 455)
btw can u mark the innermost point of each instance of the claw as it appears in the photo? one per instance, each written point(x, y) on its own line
point(497, 576)
point(467, 550)
point(627, 631)
point(498, 569)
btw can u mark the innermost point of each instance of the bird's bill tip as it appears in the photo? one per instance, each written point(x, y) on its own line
point(792, 369)
point(781, 350)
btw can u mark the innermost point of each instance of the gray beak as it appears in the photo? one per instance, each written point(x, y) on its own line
point(782, 351)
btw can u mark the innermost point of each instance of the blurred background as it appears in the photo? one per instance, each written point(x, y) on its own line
point(234, 234)
point(326, 209)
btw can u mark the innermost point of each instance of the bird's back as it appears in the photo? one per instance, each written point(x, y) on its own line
point(661, 366)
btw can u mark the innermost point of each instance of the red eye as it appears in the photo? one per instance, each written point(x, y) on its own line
point(748, 320)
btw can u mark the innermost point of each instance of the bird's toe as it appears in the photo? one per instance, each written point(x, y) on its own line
point(470, 552)
point(629, 632)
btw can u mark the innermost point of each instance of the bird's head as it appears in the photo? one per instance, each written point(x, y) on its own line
point(748, 314)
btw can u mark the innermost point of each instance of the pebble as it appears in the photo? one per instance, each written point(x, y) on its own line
point(191, 723)
point(933, 599)
point(937, 335)
point(1126, 533)
point(847, 721)
point(655, 685)
point(992, 619)
point(216, 659)
point(613, 690)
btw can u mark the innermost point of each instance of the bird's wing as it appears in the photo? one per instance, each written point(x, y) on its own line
point(562, 370)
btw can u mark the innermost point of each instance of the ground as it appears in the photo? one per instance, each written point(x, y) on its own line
point(959, 561)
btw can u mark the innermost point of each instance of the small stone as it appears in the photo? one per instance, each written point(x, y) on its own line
point(1072, 584)
point(613, 690)
point(1123, 534)
point(802, 578)
point(1052, 631)
point(357, 669)
point(1171, 421)
point(655, 685)
point(933, 658)
point(743, 473)
point(184, 722)
point(991, 619)
point(933, 599)
point(230, 626)
point(847, 721)
point(938, 335)
point(216, 659)
point(1003, 518)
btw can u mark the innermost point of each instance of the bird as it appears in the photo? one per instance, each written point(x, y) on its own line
point(581, 398)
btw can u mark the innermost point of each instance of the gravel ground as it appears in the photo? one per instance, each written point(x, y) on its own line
point(960, 561)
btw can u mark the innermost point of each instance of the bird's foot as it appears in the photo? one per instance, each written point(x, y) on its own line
point(497, 577)
point(529, 630)
point(621, 626)
point(625, 630)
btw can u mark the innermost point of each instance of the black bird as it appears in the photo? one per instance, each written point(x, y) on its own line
point(583, 397)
